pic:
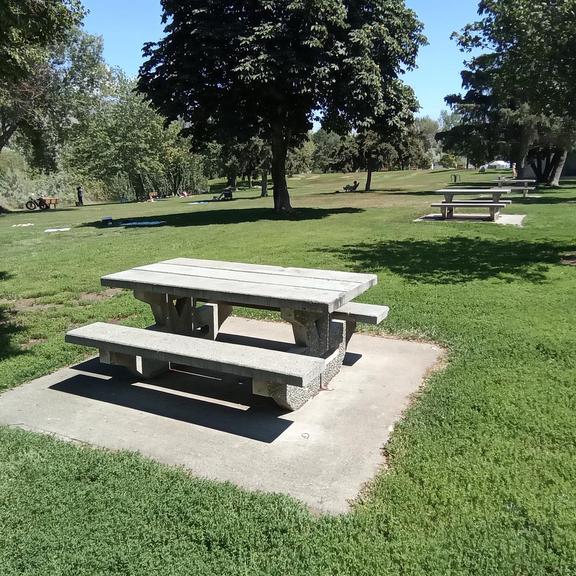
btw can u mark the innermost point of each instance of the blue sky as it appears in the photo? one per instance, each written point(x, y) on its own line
point(127, 24)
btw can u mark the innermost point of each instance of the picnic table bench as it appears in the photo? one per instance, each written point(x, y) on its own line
point(191, 299)
point(495, 205)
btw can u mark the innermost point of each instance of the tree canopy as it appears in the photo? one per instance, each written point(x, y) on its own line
point(269, 67)
point(519, 98)
point(27, 27)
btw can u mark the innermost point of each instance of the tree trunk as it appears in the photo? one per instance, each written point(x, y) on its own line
point(279, 153)
point(521, 151)
point(558, 167)
point(250, 180)
point(264, 184)
point(536, 165)
point(370, 166)
point(6, 135)
point(231, 179)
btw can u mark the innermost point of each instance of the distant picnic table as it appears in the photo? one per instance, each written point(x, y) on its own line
point(494, 206)
point(519, 183)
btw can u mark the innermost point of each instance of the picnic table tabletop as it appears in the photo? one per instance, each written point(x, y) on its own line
point(516, 182)
point(246, 284)
point(472, 191)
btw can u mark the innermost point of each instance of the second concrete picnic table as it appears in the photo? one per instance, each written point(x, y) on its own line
point(494, 206)
point(193, 298)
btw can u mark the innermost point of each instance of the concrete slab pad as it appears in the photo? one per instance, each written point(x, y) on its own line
point(504, 219)
point(322, 454)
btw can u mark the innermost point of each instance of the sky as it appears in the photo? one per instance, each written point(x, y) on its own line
point(127, 24)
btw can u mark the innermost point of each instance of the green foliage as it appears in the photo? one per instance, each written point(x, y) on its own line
point(519, 100)
point(300, 160)
point(449, 161)
point(28, 28)
point(334, 153)
point(18, 182)
point(532, 50)
point(125, 145)
point(54, 99)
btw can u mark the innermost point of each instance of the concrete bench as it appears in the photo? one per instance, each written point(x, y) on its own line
point(356, 312)
point(149, 353)
point(447, 208)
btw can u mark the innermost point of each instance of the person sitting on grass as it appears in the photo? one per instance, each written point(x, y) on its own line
point(352, 187)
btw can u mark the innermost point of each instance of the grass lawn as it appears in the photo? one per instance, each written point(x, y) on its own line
point(482, 471)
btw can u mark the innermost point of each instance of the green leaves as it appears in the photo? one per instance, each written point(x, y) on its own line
point(28, 27)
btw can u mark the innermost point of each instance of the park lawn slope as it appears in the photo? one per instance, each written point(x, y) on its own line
point(480, 473)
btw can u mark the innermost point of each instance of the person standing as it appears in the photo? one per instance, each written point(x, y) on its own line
point(80, 194)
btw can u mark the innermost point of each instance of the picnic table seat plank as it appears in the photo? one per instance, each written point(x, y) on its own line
point(245, 361)
point(480, 201)
point(363, 313)
point(255, 277)
point(231, 291)
point(367, 279)
point(473, 191)
point(470, 204)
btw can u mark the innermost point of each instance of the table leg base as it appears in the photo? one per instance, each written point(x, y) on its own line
point(142, 367)
point(289, 397)
point(208, 319)
point(294, 397)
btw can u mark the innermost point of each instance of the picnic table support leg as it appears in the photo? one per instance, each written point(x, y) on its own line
point(208, 318)
point(319, 336)
point(144, 367)
point(171, 314)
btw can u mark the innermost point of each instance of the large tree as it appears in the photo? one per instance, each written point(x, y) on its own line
point(526, 76)
point(268, 67)
point(389, 131)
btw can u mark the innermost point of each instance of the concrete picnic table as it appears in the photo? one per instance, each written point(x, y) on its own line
point(494, 205)
point(191, 299)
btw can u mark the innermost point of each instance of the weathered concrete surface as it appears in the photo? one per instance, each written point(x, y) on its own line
point(322, 454)
point(503, 219)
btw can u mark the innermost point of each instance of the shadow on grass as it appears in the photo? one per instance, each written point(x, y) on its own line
point(531, 200)
point(361, 192)
point(455, 260)
point(231, 216)
point(7, 328)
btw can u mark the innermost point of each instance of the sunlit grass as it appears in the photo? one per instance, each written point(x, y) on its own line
point(482, 469)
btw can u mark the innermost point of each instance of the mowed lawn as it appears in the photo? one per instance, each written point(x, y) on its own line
point(480, 476)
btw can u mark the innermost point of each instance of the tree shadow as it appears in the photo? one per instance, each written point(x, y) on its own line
point(8, 328)
point(531, 200)
point(234, 216)
point(456, 260)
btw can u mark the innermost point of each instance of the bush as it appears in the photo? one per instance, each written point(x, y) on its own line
point(449, 161)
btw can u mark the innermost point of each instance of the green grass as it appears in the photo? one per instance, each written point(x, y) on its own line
point(481, 476)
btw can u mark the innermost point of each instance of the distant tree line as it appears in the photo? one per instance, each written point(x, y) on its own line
point(67, 118)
